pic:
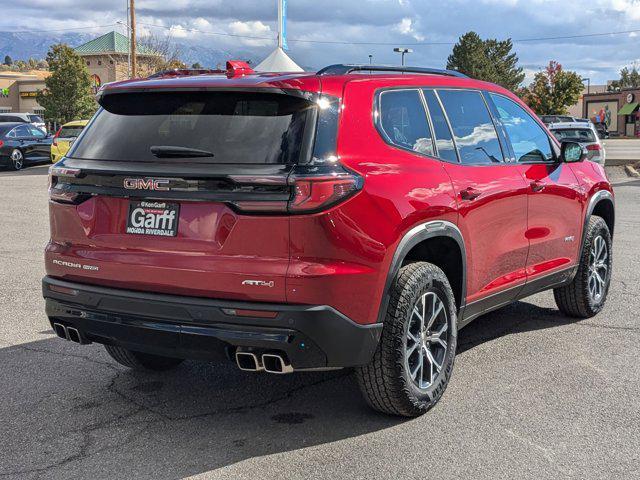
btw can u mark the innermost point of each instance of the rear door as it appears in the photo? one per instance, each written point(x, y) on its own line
point(184, 193)
point(555, 206)
point(491, 195)
point(42, 144)
point(26, 142)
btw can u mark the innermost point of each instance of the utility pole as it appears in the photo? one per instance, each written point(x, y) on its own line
point(132, 42)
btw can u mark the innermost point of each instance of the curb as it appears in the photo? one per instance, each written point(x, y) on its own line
point(631, 171)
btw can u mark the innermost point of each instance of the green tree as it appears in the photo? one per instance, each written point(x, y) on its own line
point(8, 60)
point(196, 66)
point(68, 94)
point(629, 78)
point(553, 90)
point(490, 60)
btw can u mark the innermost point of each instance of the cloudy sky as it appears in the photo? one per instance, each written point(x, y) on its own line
point(345, 26)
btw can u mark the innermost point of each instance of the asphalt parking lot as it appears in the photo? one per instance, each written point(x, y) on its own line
point(534, 394)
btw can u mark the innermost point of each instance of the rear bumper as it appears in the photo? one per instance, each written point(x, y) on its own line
point(198, 328)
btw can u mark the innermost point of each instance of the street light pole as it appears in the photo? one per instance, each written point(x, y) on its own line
point(402, 52)
point(370, 59)
point(588, 84)
point(132, 12)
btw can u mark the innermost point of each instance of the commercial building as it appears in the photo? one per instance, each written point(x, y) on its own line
point(18, 91)
point(617, 110)
point(107, 58)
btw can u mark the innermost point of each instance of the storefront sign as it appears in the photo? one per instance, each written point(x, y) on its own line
point(28, 94)
point(4, 92)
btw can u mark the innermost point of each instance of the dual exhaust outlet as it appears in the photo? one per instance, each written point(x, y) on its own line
point(69, 333)
point(268, 362)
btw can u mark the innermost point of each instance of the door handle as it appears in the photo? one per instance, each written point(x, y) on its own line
point(469, 193)
point(537, 186)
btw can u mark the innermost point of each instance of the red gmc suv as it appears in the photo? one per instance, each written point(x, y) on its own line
point(354, 217)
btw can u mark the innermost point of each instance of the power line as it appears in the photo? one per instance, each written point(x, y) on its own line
point(345, 42)
point(330, 42)
point(58, 29)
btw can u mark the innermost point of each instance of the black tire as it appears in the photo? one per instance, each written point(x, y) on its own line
point(575, 299)
point(386, 382)
point(141, 361)
point(15, 164)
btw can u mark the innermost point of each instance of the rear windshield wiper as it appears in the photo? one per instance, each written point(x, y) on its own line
point(168, 151)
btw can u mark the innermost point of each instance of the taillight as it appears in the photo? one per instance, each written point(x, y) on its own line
point(314, 193)
point(310, 194)
point(1, 143)
point(594, 147)
point(55, 137)
point(58, 191)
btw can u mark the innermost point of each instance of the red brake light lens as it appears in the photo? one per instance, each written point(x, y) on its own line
point(314, 193)
point(594, 147)
point(56, 191)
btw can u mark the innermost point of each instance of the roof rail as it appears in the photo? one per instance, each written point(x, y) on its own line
point(186, 72)
point(343, 69)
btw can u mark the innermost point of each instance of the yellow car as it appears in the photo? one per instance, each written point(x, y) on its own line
point(65, 137)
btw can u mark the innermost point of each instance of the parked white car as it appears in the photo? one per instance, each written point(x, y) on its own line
point(583, 133)
point(32, 118)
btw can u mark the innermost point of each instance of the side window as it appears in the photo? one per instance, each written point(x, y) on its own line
point(12, 134)
point(444, 140)
point(22, 131)
point(36, 132)
point(529, 141)
point(473, 129)
point(404, 120)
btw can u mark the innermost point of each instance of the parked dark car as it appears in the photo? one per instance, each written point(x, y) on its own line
point(22, 144)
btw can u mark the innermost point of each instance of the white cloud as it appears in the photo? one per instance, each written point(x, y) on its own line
point(252, 29)
point(178, 31)
point(406, 27)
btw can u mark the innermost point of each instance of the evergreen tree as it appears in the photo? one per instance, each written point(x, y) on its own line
point(68, 94)
point(490, 60)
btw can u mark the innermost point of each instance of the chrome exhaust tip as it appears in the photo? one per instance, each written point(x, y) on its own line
point(60, 330)
point(73, 335)
point(274, 363)
point(248, 362)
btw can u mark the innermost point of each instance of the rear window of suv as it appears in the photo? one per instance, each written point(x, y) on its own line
point(575, 134)
point(228, 127)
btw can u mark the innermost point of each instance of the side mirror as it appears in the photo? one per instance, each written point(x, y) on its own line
point(572, 152)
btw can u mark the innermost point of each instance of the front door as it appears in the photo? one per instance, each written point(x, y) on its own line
point(492, 202)
point(555, 209)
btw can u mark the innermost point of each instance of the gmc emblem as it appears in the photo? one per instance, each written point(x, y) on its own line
point(146, 184)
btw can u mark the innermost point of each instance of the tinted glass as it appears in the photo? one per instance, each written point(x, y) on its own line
point(473, 129)
point(404, 121)
point(584, 135)
point(529, 141)
point(444, 140)
point(22, 131)
point(35, 119)
point(232, 127)
point(36, 132)
point(70, 132)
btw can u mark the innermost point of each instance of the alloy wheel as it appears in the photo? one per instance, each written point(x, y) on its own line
point(17, 159)
point(426, 340)
point(598, 269)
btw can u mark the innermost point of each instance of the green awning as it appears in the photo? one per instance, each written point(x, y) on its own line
point(628, 109)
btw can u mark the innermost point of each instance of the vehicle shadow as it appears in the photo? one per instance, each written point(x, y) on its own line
point(36, 169)
point(71, 412)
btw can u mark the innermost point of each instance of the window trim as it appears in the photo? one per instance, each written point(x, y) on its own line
point(504, 160)
point(377, 120)
point(552, 144)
